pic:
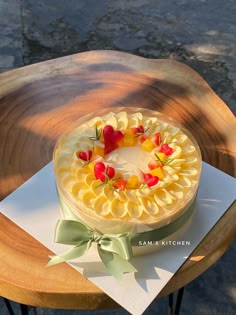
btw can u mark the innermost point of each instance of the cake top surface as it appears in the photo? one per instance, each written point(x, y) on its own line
point(128, 167)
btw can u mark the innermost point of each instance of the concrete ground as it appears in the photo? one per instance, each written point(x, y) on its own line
point(199, 33)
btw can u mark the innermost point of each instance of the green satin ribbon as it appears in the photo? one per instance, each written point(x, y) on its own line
point(115, 250)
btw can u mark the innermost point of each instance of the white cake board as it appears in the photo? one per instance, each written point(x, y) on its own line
point(34, 207)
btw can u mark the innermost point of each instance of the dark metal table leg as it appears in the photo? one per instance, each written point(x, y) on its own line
point(171, 304)
point(24, 309)
point(8, 305)
point(179, 301)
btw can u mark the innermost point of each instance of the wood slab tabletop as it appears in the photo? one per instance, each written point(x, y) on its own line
point(38, 102)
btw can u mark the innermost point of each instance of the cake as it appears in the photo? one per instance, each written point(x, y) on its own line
point(127, 171)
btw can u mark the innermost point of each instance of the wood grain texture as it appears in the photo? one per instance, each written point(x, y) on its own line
point(38, 102)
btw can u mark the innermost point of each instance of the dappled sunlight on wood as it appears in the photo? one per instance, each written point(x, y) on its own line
point(196, 258)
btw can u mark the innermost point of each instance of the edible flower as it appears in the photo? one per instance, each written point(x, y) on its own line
point(102, 172)
point(165, 148)
point(150, 180)
point(111, 138)
point(84, 155)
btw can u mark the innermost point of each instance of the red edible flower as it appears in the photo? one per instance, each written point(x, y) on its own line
point(84, 155)
point(150, 180)
point(111, 138)
point(138, 130)
point(102, 172)
point(165, 148)
point(157, 138)
point(120, 184)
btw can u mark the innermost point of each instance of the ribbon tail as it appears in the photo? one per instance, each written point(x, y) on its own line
point(72, 253)
point(119, 244)
point(115, 264)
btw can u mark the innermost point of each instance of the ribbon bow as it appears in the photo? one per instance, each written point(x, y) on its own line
point(114, 249)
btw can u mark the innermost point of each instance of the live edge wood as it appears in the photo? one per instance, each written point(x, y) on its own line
point(38, 102)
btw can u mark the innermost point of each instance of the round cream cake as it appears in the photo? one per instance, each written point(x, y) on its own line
point(127, 171)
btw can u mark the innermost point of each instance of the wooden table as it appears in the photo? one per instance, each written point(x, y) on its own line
point(38, 102)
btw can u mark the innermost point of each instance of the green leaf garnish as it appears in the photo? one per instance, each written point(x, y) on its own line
point(169, 160)
point(159, 159)
point(86, 163)
point(103, 183)
point(98, 133)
